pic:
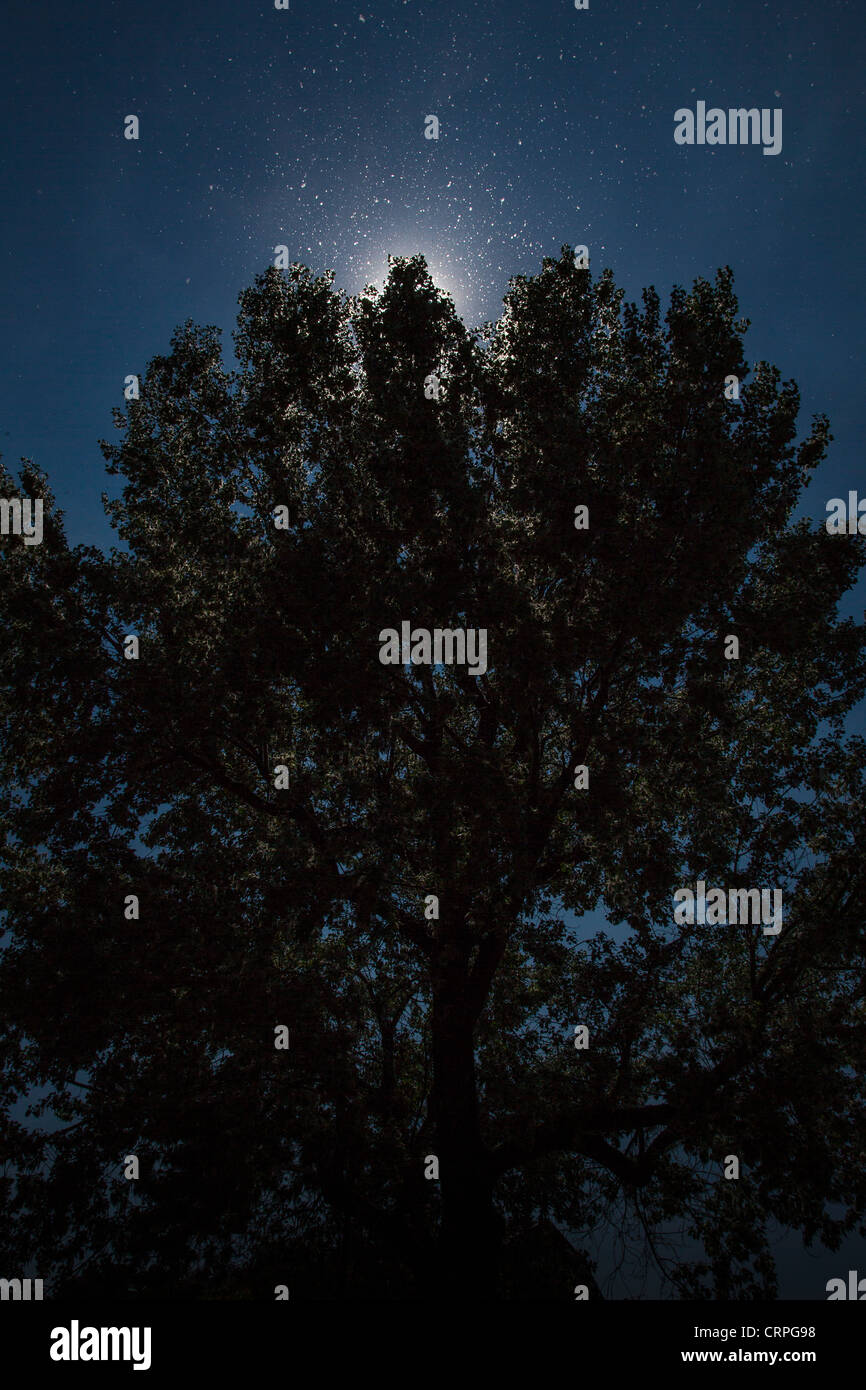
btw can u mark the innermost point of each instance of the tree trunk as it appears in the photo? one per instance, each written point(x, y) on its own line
point(470, 1236)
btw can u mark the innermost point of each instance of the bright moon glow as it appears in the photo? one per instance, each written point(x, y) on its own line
point(444, 272)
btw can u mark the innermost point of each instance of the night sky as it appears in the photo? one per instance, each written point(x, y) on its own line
point(305, 127)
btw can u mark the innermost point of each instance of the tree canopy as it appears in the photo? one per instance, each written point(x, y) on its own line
point(409, 896)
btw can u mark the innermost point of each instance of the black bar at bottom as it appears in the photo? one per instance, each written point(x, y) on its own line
point(304, 1340)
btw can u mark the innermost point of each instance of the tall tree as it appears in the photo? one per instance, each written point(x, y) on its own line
point(254, 823)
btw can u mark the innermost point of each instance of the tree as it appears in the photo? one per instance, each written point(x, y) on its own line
point(395, 861)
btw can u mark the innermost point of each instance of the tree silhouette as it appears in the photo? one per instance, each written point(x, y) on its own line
point(431, 475)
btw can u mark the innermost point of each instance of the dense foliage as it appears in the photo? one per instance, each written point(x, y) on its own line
point(411, 1035)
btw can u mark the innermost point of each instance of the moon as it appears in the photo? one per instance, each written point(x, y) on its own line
point(446, 274)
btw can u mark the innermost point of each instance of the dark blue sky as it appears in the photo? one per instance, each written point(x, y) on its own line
point(306, 127)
